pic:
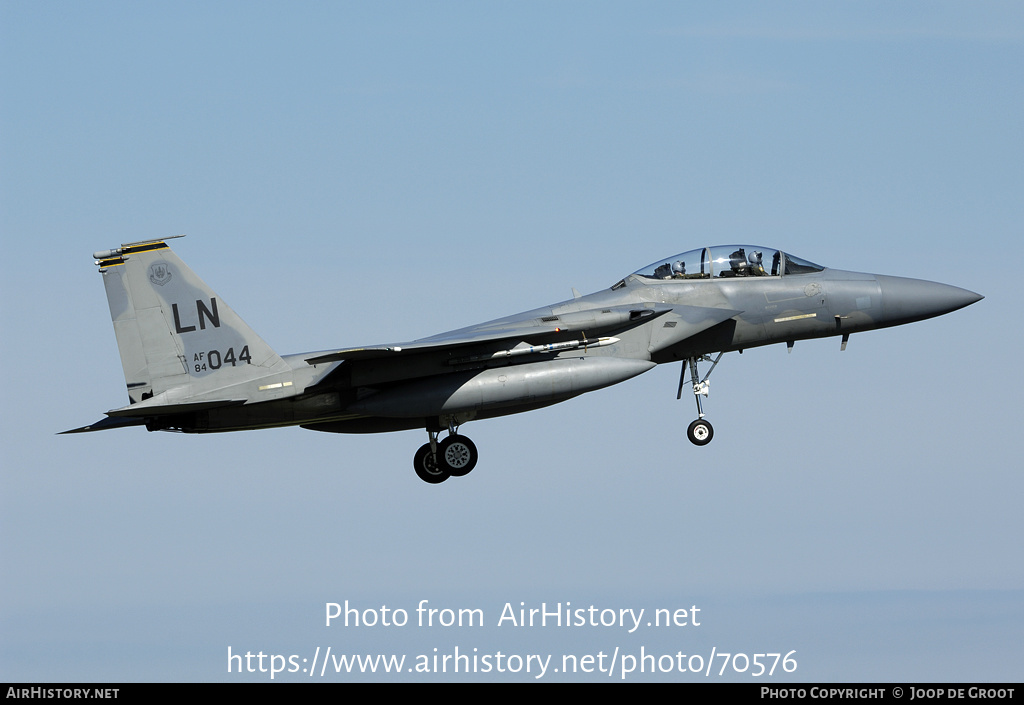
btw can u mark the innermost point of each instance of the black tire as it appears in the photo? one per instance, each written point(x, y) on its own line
point(456, 455)
point(426, 466)
point(700, 432)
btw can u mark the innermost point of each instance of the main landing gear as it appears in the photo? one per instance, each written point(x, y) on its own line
point(436, 461)
point(700, 432)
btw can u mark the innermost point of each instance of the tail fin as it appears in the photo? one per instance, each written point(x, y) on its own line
point(176, 337)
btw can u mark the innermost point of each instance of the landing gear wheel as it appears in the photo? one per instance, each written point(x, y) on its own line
point(456, 455)
point(427, 467)
point(700, 432)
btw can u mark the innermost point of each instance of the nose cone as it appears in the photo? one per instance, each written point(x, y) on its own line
point(905, 300)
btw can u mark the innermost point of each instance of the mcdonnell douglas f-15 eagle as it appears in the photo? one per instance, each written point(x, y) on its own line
point(192, 365)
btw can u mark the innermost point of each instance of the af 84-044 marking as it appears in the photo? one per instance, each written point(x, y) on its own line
point(215, 359)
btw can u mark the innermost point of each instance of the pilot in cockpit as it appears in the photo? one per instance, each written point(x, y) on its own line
point(756, 268)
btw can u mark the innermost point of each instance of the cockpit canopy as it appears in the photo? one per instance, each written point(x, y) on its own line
point(728, 261)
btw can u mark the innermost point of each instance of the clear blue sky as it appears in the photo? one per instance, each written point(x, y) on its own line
point(356, 173)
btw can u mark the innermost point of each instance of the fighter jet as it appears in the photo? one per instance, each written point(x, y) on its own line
point(192, 365)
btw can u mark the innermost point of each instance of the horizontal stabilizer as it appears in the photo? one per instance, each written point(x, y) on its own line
point(146, 409)
point(104, 424)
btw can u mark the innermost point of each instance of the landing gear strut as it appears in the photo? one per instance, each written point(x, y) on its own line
point(436, 461)
point(700, 431)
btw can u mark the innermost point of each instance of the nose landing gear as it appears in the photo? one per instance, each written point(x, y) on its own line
point(700, 432)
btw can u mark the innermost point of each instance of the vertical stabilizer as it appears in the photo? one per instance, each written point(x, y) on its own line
point(174, 333)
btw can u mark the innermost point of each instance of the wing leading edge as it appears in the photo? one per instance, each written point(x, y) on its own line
point(530, 330)
point(553, 328)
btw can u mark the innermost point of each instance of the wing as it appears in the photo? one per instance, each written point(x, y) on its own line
point(534, 327)
point(137, 413)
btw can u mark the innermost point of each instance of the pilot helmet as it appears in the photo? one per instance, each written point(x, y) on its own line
point(679, 267)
